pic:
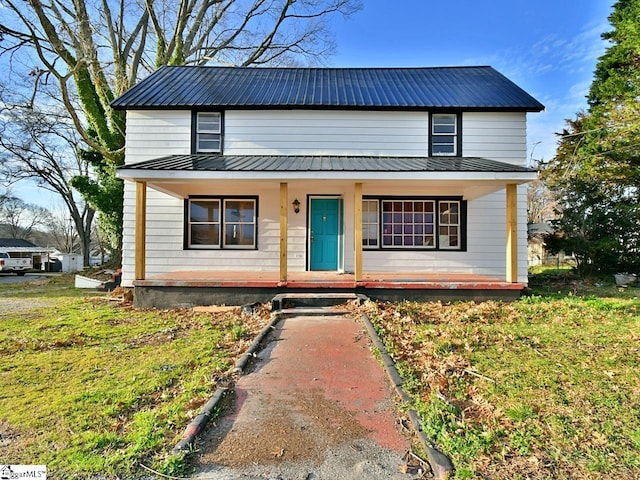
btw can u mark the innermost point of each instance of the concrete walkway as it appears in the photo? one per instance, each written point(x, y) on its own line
point(317, 405)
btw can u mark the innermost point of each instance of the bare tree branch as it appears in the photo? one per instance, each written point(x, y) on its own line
point(95, 50)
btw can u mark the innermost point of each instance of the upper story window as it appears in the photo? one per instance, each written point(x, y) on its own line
point(208, 132)
point(444, 138)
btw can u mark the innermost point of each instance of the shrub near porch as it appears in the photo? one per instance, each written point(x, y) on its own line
point(539, 388)
point(90, 386)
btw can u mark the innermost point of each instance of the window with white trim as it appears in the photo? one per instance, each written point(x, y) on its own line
point(408, 223)
point(449, 225)
point(370, 218)
point(444, 134)
point(239, 223)
point(204, 223)
point(412, 223)
point(221, 223)
point(208, 132)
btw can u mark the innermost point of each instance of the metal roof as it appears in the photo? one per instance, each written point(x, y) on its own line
point(255, 163)
point(15, 243)
point(189, 87)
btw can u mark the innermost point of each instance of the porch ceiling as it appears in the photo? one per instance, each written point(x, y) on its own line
point(469, 189)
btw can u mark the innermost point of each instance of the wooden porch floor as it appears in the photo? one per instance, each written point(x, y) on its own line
point(329, 280)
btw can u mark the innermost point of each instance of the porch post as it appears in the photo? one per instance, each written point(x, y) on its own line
point(141, 230)
point(512, 233)
point(358, 232)
point(284, 204)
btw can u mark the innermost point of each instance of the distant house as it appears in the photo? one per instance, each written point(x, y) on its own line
point(301, 178)
point(19, 248)
point(536, 251)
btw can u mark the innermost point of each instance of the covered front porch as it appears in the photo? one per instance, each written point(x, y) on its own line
point(169, 269)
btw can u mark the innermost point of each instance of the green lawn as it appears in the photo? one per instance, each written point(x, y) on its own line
point(88, 385)
point(545, 387)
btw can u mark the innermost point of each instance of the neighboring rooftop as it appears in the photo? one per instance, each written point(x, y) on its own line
point(430, 88)
point(15, 243)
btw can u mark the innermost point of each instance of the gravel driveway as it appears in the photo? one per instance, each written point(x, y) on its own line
point(22, 305)
point(10, 278)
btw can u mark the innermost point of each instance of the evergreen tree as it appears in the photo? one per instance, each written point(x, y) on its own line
point(596, 171)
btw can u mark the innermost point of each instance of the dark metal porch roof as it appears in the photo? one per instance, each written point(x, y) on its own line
point(277, 163)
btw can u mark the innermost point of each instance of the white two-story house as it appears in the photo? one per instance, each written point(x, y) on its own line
point(407, 179)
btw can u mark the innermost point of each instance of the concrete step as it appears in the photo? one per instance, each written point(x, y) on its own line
point(287, 301)
point(311, 312)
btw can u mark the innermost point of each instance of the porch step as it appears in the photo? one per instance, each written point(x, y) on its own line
point(311, 312)
point(288, 301)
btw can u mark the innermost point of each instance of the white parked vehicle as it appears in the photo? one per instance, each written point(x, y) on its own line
point(19, 265)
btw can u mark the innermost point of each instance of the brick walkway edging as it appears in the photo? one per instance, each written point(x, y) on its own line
point(441, 465)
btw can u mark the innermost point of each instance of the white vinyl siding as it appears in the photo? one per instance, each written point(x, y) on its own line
point(165, 250)
point(154, 134)
point(486, 233)
point(498, 136)
point(157, 133)
point(325, 133)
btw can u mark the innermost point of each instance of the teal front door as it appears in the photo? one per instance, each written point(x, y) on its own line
point(324, 234)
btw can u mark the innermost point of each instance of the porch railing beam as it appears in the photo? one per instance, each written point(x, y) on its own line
point(512, 233)
point(141, 230)
point(284, 204)
point(358, 231)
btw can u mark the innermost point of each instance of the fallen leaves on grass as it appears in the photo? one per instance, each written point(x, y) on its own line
point(539, 388)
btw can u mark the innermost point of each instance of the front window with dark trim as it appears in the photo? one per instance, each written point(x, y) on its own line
point(444, 134)
point(412, 223)
point(208, 132)
point(222, 223)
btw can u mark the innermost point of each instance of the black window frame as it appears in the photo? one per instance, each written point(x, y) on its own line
point(458, 134)
point(222, 246)
point(437, 224)
point(194, 132)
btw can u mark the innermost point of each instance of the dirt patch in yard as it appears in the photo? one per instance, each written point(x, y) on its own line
point(8, 435)
point(281, 434)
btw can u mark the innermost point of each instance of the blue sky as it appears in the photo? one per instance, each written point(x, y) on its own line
point(548, 47)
